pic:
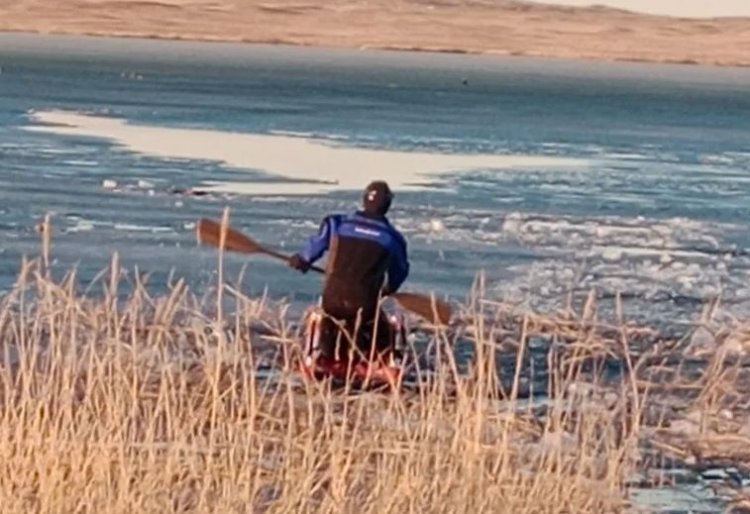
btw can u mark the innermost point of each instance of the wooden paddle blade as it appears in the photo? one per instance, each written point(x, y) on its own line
point(425, 306)
point(209, 232)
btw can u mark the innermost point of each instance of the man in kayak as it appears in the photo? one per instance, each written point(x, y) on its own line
point(367, 260)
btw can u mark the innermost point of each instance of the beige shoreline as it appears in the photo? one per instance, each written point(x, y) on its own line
point(498, 27)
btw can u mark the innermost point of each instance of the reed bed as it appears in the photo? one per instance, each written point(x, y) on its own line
point(113, 402)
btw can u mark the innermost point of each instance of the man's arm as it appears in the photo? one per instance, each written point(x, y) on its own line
point(315, 246)
point(399, 267)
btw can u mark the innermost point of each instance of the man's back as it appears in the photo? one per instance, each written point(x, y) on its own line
point(366, 254)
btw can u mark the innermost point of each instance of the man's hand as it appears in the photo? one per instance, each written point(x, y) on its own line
point(298, 263)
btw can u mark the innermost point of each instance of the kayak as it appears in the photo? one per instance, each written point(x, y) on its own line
point(316, 367)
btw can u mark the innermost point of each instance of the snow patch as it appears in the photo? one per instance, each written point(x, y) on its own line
point(313, 165)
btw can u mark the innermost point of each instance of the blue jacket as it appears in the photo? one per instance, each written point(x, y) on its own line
point(364, 245)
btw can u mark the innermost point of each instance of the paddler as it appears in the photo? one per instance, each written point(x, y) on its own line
point(367, 261)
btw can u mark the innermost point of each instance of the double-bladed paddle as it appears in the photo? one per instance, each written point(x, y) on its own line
point(209, 232)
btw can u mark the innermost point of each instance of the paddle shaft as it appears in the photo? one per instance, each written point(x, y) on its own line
point(285, 258)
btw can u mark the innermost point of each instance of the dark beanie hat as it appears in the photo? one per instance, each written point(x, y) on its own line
point(377, 198)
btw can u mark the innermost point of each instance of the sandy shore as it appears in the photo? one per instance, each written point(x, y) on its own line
point(474, 26)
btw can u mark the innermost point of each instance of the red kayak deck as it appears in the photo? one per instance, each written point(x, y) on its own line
point(360, 371)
